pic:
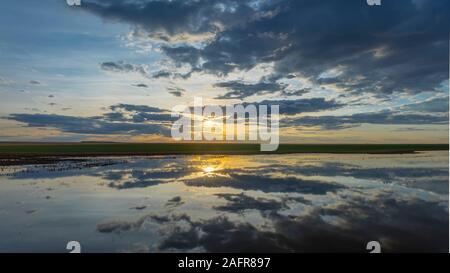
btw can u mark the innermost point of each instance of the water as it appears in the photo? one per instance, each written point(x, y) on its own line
point(276, 203)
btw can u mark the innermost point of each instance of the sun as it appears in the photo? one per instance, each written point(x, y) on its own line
point(209, 169)
point(208, 123)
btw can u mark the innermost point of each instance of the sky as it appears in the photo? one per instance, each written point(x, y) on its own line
point(110, 70)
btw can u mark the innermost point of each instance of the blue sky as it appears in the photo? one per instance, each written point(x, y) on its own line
point(346, 71)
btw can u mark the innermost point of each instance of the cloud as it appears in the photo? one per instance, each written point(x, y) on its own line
point(241, 202)
point(183, 20)
point(88, 125)
point(137, 114)
point(121, 174)
point(176, 91)
point(123, 67)
point(394, 222)
point(174, 202)
point(240, 90)
point(140, 85)
point(136, 108)
point(124, 119)
point(35, 82)
point(266, 184)
point(292, 107)
point(220, 235)
point(400, 48)
point(118, 226)
point(348, 121)
point(434, 105)
point(162, 74)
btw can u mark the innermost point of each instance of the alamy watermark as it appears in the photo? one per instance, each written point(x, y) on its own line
point(240, 122)
point(374, 2)
point(73, 2)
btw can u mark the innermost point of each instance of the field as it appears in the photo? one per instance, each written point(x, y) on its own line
point(11, 150)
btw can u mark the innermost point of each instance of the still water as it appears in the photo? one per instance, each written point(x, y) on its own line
point(258, 203)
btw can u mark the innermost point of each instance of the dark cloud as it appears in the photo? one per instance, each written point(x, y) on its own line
point(183, 54)
point(406, 176)
point(393, 222)
point(164, 20)
point(140, 85)
point(123, 67)
point(93, 125)
point(139, 207)
point(173, 75)
point(176, 91)
point(138, 114)
point(82, 125)
point(136, 108)
point(175, 202)
point(240, 90)
point(383, 117)
point(220, 235)
point(298, 92)
point(146, 174)
point(162, 74)
point(265, 184)
point(383, 217)
point(400, 47)
point(134, 183)
point(241, 202)
point(34, 82)
point(292, 107)
point(120, 226)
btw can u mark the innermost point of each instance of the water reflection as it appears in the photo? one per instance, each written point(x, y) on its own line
point(281, 203)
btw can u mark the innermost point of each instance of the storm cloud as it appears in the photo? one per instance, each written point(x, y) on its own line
point(166, 20)
point(400, 47)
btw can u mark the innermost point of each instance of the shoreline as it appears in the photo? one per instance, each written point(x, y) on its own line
point(36, 153)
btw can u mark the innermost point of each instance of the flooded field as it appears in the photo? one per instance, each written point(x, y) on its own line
point(254, 203)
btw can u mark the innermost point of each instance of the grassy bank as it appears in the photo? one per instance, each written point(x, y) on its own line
point(8, 150)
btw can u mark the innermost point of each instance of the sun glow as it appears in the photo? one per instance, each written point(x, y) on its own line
point(209, 169)
point(209, 123)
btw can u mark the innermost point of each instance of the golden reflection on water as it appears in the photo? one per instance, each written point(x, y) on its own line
point(37, 196)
